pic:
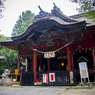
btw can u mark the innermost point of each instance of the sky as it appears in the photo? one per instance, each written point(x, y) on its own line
point(14, 8)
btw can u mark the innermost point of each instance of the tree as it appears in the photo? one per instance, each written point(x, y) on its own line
point(23, 22)
point(1, 7)
point(10, 56)
point(86, 8)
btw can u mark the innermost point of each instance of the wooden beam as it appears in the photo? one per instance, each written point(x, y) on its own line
point(55, 44)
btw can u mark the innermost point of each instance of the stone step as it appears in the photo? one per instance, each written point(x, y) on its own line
point(38, 83)
point(15, 83)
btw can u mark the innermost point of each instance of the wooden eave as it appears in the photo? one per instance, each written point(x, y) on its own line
point(45, 23)
point(9, 44)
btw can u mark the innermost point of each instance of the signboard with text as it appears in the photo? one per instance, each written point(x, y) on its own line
point(83, 70)
point(16, 71)
point(45, 78)
point(49, 54)
point(52, 77)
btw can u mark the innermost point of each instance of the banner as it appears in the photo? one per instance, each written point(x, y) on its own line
point(45, 78)
point(83, 70)
point(52, 77)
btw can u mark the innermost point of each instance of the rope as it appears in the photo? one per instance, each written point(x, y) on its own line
point(54, 50)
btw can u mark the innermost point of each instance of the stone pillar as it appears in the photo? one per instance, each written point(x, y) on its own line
point(68, 57)
point(18, 63)
point(35, 64)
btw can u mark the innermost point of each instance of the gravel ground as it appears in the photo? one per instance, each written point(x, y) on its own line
point(5, 90)
point(30, 91)
point(79, 91)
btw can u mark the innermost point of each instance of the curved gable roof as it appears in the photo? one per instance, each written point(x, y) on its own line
point(46, 21)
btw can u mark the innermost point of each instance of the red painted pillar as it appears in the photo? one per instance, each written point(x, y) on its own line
point(18, 63)
point(93, 60)
point(68, 58)
point(35, 64)
point(72, 60)
point(48, 64)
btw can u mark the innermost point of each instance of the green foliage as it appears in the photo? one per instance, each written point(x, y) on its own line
point(87, 8)
point(10, 56)
point(90, 15)
point(1, 7)
point(23, 22)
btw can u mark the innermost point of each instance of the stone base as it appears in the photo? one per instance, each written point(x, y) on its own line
point(6, 81)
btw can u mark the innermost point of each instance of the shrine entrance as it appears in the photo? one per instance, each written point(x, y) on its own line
point(58, 63)
point(50, 45)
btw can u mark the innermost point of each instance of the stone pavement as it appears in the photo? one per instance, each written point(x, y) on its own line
point(33, 91)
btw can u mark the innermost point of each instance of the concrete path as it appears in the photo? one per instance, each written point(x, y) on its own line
point(33, 91)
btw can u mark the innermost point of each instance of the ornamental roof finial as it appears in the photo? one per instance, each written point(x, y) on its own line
point(54, 5)
point(40, 8)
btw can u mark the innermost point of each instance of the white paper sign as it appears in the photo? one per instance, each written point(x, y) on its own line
point(52, 77)
point(83, 70)
point(45, 78)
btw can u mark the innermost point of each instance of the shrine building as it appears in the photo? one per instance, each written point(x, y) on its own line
point(55, 43)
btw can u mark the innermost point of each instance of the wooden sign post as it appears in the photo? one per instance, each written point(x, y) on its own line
point(84, 72)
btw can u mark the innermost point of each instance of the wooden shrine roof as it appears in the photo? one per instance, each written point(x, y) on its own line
point(48, 28)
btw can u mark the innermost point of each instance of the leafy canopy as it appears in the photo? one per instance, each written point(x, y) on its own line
point(87, 8)
point(1, 7)
point(23, 22)
point(10, 56)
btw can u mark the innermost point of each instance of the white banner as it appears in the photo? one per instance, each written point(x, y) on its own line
point(83, 70)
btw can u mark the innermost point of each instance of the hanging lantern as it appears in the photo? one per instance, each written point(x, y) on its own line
point(62, 64)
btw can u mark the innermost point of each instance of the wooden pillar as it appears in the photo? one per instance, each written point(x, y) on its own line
point(68, 58)
point(72, 60)
point(26, 61)
point(18, 63)
point(35, 64)
point(39, 62)
point(31, 63)
point(93, 60)
point(48, 64)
